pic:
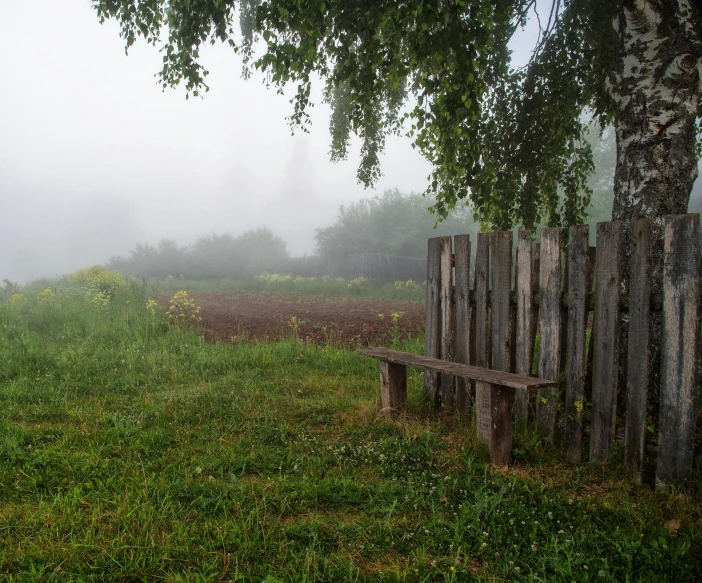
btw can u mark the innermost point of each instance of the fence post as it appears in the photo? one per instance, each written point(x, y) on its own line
point(501, 398)
point(605, 358)
point(461, 244)
point(550, 325)
point(639, 346)
point(431, 332)
point(482, 348)
point(681, 313)
point(446, 321)
point(578, 276)
point(524, 323)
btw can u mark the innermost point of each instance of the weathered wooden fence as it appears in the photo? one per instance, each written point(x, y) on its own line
point(535, 317)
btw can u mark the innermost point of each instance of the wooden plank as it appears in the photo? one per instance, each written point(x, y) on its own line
point(639, 346)
point(393, 387)
point(482, 347)
point(578, 276)
point(591, 338)
point(501, 280)
point(484, 375)
point(605, 358)
point(535, 273)
point(500, 311)
point(525, 322)
point(502, 399)
point(681, 325)
point(550, 326)
point(432, 329)
point(461, 245)
point(446, 396)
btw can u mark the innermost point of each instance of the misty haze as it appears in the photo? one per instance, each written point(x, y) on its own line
point(96, 158)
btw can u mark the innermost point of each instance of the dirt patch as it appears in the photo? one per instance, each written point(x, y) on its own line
point(236, 316)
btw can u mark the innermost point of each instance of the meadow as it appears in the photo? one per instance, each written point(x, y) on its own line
point(133, 450)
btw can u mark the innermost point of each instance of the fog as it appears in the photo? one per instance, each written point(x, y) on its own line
point(95, 157)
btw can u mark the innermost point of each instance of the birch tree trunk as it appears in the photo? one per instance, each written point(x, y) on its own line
point(656, 90)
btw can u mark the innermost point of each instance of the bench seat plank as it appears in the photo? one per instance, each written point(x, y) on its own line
point(484, 375)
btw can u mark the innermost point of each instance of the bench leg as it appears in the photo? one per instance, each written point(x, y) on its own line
point(393, 387)
point(501, 427)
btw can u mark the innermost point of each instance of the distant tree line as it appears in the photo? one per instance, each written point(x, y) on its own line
point(210, 257)
point(394, 223)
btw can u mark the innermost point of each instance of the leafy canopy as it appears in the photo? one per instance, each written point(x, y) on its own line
point(510, 142)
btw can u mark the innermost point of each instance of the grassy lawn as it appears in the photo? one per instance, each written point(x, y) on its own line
point(131, 450)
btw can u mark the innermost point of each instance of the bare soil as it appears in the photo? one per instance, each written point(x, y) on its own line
point(353, 322)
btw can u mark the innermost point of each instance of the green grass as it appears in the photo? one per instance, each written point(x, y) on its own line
point(132, 451)
point(311, 286)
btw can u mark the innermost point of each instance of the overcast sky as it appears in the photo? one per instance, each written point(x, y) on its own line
point(95, 157)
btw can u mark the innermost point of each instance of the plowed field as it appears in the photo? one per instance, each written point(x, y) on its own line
point(238, 316)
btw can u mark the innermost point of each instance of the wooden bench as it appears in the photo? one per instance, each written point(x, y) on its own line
point(393, 388)
point(487, 330)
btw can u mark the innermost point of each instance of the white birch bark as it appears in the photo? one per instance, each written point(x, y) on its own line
point(656, 90)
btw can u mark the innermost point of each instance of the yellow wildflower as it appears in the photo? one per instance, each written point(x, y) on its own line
point(46, 294)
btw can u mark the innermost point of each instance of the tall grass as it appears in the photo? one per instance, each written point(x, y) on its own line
point(134, 451)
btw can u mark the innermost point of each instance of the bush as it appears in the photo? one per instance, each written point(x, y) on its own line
point(100, 278)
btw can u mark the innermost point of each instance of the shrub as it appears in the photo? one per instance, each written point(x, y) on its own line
point(99, 277)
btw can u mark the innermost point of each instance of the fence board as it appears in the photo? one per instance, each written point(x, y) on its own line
point(550, 326)
point(578, 270)
point(501, 279)
point(639, 346)
point(681, 288)
point(535, 271)
point(606, 343)
point(500, 312)
point(461, 245)
point(591, 341)
point(525, 322)
point(446, 340)
point(482, 348)
point(432, 329)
